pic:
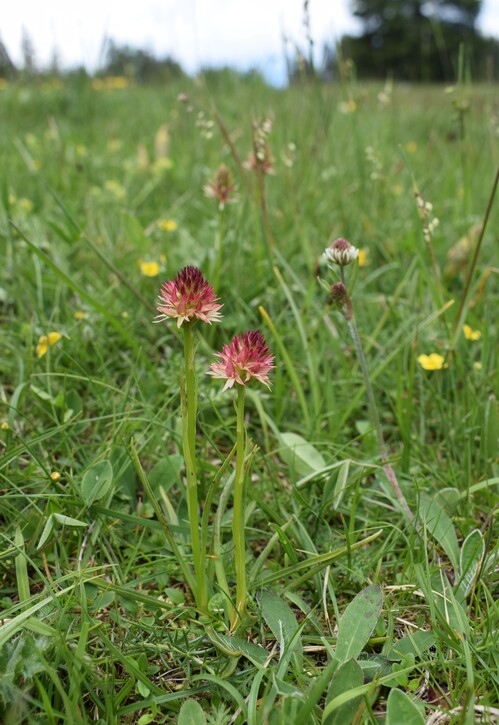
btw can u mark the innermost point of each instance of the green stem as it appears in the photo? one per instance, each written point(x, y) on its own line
point(220, 249)
point(373, 408)
point(189, 449)
point(471, 270)
point(238, 516)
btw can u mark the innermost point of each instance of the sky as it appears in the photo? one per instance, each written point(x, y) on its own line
point(196, 33)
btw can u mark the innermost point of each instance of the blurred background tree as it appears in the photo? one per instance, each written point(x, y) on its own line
point(418, 40)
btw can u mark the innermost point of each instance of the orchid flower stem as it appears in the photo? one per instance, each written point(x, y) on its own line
point(239, 511)
point(220, 250)
point(373, 408)
point(189, 449)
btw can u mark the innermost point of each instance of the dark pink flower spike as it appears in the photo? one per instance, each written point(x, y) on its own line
point(246, 358)
point(188, 297)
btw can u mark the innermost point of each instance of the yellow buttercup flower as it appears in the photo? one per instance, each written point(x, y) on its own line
point(477, 366)
point(363, 258)
point(167, 225)
point(4, 425)
point(149, 269)
point(55, 476)
point(46, 341)
point(79, 315)
point(411, 147)
point(470, 333)
point(432, 362)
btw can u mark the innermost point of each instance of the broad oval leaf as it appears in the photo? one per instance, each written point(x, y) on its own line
point(282, 622)
point(191, 713)
point(97, 481)
point(300, 455)
point(470, 560)
point(358, 622)
point(346, 678)
point(440, 527)
point(401, 709)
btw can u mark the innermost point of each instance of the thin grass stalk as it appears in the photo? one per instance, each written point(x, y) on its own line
point(462, 304)
point(189, 450)
point(220, 250)
point(373, 408)
point(186, 571)
point(238, 514)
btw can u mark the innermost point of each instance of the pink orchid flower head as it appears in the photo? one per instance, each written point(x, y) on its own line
point(246, 358)
point(187, 298)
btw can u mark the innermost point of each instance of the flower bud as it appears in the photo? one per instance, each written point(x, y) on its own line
point(341, 252)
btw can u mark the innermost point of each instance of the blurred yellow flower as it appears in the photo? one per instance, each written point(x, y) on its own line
point(470, 333)
point(110, 83)
point(432, 362)
point(163, 164)
point(114, 188)
point(348, 106)
point(46, 341)
point(149, 269)
point(167, 225)
point(363, 258)
point(79, 315)
point(3, 84)
point(4, 425)
point(55, 476)
point(478, 366)
point(411, 147)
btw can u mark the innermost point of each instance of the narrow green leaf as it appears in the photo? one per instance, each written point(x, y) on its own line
point(238, 647)
point(191, 713)
point(22, 577)
point(346, 677)
point(341, 484)
point(47, 530)
point(470, 561)
point(313, 565)
point(490, 431)
point(357, 623)
point(68, 521)
point(440, 527)
point(97, 481)
point(59, 519)
point(401, 709)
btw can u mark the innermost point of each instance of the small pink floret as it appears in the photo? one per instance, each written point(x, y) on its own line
point(246, 358)
point(188, 297)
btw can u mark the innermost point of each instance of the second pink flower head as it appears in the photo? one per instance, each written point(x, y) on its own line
point(246, 358)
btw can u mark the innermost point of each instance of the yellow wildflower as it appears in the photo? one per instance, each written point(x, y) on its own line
point(114, 188)
point(55, 476)
point(478, 366)
point(432, 362)
point(149, 269)
point(363, 258)
point(167, 225)
point(470, 333)
point(46, 341)
point(348, 106)
point(411, 147)
point(4, 425)
point(79, 315)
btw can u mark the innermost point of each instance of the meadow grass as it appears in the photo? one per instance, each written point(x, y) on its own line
point(97, 620)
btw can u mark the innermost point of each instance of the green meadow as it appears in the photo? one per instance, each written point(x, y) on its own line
point(372, 597)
